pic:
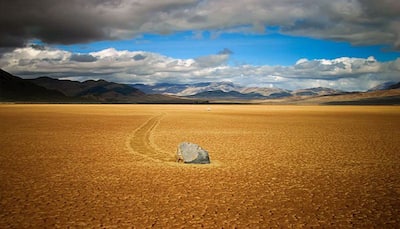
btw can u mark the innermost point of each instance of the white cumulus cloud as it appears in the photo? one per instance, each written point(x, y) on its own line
point(124, 66)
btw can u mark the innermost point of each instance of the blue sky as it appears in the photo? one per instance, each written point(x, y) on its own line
point(270, 48)
point(342, 44)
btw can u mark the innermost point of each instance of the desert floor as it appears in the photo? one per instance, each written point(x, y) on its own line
point(113, 166)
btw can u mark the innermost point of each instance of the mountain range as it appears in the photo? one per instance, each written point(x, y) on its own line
point(386, 86)
point(386, 93)
point(230, 90)
point(94, 90)
point(46, 89)
point(13, 88)
point(215, 90)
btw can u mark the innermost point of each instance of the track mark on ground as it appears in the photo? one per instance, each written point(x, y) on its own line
point(141, 143)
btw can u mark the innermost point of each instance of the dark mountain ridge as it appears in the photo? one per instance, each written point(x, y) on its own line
point(46, 89)
point(394, 86)
point(98, 90)
point(386, 86)
point(13, 88)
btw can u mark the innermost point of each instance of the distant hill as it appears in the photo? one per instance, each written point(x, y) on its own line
point(97, 90)
point(213, 90)
point(13, 89)
point(380, 97)
point(316, 91)
point(394, 86)
point(232, 95)
point(223, 90)
point(318, 95)
point(187, 89)
point(268, 92)
point(46, 89)
point(386, 86)
point(166, 88)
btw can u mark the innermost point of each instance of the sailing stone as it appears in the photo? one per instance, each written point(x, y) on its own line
point(191, 153)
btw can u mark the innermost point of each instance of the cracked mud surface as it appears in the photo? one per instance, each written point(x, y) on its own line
point(272, 166)
point(141, 143)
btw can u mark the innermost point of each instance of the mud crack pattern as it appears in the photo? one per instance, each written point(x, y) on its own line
point(141, 143)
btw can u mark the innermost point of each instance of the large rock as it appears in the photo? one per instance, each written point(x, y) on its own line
point(192, 153)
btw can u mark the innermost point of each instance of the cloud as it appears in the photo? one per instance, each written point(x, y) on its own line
point(361, 22)
point(145, 67)
point(225, 51)
point(82, 58)
point(211, 60)
point(214, 60)
point(138, 57)
point(38, 47)
point(338, 68)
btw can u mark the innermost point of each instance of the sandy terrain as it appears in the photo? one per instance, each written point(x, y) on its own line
point(113, 166)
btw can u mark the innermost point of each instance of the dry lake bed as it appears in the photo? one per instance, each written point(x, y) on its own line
point(112, 166)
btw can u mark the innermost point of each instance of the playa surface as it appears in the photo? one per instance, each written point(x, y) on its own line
point(113, 166)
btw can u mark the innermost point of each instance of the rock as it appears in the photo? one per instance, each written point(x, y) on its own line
point(192, 154)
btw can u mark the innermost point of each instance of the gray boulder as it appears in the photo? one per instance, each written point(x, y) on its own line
point(192, 154)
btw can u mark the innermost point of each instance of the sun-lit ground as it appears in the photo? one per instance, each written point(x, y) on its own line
point(113, 166)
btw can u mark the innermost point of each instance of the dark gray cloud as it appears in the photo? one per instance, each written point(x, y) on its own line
point(76, 21)
point(82, 58)
point(38, 47)
point(361, 22)
point(138, 57)
point(225, 51)
point(64, 22)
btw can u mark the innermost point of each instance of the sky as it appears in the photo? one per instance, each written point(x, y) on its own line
point(350, 45)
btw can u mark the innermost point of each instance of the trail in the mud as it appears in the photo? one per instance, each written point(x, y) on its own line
point(140, 142)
